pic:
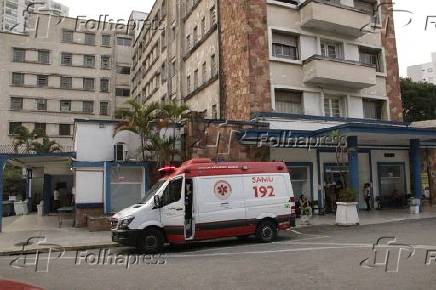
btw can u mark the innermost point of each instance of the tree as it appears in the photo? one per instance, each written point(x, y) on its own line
point(419, 100)
point(138, 119)
point(26, 141)
point(172, 115)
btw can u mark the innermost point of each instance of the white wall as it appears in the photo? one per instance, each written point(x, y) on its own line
point(94, 141)
point(89, 186)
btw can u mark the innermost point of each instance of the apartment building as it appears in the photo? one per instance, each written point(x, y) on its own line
point(13, 13)
point(58, 72)
point(306, 69)
point(423, 72)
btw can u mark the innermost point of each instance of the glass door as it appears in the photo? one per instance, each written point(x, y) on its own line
point(392, 185)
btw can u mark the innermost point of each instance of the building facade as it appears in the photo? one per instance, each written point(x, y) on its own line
point(56, 73)
point(13, 13)
point(423, 72)
point(308, 69)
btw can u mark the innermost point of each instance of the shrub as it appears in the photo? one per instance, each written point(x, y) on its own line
point(347, 195)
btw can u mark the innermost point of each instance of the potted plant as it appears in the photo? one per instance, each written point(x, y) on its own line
point(346, 211)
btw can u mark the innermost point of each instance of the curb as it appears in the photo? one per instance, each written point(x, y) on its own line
point(68, 248)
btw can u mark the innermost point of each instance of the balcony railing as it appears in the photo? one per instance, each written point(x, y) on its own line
point(339, 73)
point(341, 19)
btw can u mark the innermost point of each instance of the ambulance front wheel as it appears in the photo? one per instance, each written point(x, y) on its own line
point(151, 241)
point(266, 231)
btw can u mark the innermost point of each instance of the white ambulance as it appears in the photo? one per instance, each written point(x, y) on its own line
point(203, 200)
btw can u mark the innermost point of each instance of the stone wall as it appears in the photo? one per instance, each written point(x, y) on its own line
point(429, 166)
point(82, 215)
point(219, 141)
point(244, 63)
point(393, 74)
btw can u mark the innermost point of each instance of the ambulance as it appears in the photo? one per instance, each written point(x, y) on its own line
point(204, 200)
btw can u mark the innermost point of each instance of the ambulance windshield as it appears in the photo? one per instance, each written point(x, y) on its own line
point(149, 194)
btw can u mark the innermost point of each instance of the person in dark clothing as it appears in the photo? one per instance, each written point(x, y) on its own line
point(367, 195)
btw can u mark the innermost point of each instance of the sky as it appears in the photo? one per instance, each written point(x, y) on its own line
point(415, 44)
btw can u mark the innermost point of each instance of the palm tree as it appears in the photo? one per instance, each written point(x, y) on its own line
point(172, 115)
point(23, 137)
point(47, 146)
point(138, 119)
point(162, 147)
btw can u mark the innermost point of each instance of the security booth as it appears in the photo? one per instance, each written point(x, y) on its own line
point(384, 154)
point(43, 173)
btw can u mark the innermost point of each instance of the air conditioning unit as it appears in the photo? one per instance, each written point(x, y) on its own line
point(120, 152)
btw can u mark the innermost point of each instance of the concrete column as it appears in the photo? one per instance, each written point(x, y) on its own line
point(2, 167)
point(415, 161)
point(107, 187)
point(353, 163)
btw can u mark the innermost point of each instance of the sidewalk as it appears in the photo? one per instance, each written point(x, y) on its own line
point(374, 217)
point(20, 229)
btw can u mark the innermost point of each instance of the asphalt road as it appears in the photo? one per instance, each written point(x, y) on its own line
point(311, 258)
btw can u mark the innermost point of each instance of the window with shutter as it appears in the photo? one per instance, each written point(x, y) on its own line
point(287, 101)
point(285, 46)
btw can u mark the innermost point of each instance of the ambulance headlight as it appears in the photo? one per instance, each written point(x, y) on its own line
point(125, 222)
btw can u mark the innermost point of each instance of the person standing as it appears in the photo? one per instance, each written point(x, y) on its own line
point(56, 199)
point(367, 195)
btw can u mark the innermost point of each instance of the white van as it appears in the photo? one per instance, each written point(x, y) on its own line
point(203, 200)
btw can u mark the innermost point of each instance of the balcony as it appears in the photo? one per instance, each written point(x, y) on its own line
point(335, 18)
point(329, 72)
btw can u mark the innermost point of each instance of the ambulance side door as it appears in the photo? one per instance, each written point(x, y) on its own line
point(173, 206)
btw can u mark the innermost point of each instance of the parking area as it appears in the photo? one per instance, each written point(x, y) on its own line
point(319, 257)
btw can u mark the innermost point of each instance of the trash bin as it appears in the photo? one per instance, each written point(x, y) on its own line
point(415, 204)
point(40, 208)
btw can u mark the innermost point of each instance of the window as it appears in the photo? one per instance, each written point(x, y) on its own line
point(212, 13)
point(42, 81)
point(287, 101)
point(89, 60)
point(64, 130)
point(88, 84)
point(104, 85)
point(65, 106)
point(105, 62)
point(163, 73)
point(203, 26)
point(188, 42)
point(372, 109)
point(41, 127)
point(285, 46)
point(104, 108)
point(66, 83)
point(213, 66)
point(173, 192)
point(332, 49)
point(67, 59)
point(300, 179)
point(122, 92)
point(122, 41)
point(214, 112)
point(196, 79)
point(19, 55)
point(124, 70)
point(195, 36)
point(204, 72)
point(67, 36)
point(188, 84)
point(13, 127)
point(370, 57)
point(43, 56)
point(105, 40)
point(16, 104)
point(88, 107)
point(41, 105)
point(89, 38)
point(18, 79)
point(163, 43)
point(333, 106)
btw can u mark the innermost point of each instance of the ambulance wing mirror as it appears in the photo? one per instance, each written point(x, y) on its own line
point(157, 202)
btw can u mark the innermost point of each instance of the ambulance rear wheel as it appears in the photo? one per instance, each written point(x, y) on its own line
point(151, 241)
point(266, 231)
